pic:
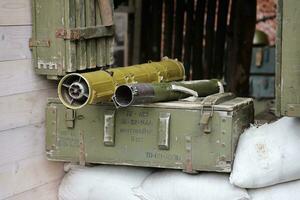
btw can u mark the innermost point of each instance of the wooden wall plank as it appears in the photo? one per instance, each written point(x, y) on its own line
point(19, 77)
point(49, 191)
point(14, 42)
point(24, 109)
point(188, 42)
point(168, 27)
point(27, 174)
point(240, 39)
point(27, 141)
point(219, 46)
point(209, 38)
point(198, 40)
point(15, 12)
point(179, 25)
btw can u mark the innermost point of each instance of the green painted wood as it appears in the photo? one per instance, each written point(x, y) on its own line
point(133, 134)
point(110, 42)
point(49, 60)
point(101, 43)
point(59, 54)
point(70, 22)
point(91, 44)
point(288, 61)
point(81, 49)
point(278, 59)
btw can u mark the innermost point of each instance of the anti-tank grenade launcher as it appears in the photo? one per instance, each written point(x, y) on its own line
point(77, 90)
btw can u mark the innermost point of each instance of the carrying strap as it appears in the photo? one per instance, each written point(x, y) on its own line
point(185, 90)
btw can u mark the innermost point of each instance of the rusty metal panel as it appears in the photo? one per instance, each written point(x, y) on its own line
point(288, 59)
point(164, 135)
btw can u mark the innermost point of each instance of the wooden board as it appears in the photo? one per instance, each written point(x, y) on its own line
point(24, 109)
point(288, 60)
point(20, 76)
point(45, 192)
point(21, 143)
point(15, 12)
point(27, 174)
point(14, 42)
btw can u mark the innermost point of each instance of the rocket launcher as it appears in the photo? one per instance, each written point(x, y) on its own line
point(77, 90)
point(140, 93)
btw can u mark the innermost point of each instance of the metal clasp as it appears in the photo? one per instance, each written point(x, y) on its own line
point(70, 118)
point(206, 114)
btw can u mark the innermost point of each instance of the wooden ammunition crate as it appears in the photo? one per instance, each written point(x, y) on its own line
point(193, 136)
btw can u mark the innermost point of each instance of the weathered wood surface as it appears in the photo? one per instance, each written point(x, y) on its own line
point(14, 42)
point(168, 27)
point(47, 191)
point(188, 39)
point(198, 40)
point(27, 142)
point(23, 175)
point(19, 77)
point(241, 32)
point(24, 171)
point(15, 12)
point(179, 22)
point(24, 109)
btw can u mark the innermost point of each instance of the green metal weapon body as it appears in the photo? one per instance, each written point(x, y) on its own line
point(77, 90)
point(140, 93)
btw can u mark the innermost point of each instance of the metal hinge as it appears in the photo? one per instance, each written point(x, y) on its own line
point(85, 33)
point(38, 43)
point(70, 118)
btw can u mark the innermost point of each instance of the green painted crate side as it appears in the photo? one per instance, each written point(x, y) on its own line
point(136, 138)
point(289, 99)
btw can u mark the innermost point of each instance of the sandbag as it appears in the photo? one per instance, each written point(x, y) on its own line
point(101, 183)
point(268, 155)
point(176, 185)
point(283, 191)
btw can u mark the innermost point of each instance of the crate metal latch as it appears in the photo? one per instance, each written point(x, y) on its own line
point(70, 116)
point(207, 113)
point(208, 108)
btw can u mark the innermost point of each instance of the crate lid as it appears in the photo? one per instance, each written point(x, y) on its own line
point(217, 102)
